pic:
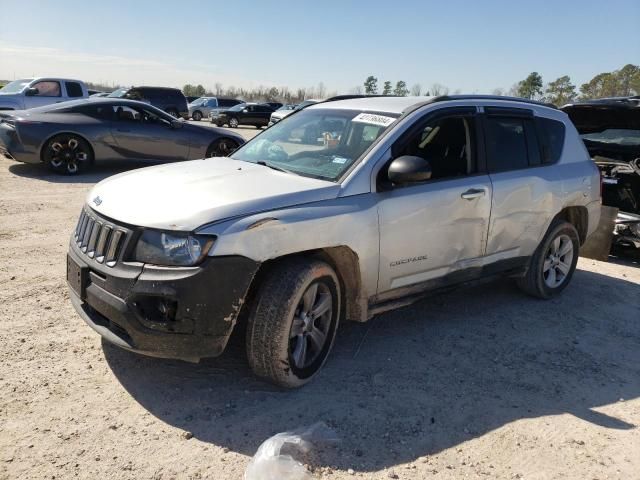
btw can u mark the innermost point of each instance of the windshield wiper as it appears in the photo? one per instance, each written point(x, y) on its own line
point(274, 167)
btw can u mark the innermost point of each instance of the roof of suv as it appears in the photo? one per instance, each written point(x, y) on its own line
point(399, 105)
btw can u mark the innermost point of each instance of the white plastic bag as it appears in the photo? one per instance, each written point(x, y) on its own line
point(274, 460)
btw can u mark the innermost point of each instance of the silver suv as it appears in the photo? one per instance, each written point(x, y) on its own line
point(204, 106)
point(341, 211)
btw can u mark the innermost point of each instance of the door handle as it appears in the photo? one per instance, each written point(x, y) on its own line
point(473, 193)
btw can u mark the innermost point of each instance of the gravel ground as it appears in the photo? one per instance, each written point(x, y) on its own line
point(478, 383)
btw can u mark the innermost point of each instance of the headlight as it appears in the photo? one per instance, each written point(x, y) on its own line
point(172, 248)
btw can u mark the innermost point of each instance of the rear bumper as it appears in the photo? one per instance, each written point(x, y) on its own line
point(12, 148)
point(130, 311)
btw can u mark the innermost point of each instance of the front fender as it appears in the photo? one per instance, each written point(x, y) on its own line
point(347, 221)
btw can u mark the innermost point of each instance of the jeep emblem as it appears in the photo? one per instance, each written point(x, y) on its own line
point(97, 200)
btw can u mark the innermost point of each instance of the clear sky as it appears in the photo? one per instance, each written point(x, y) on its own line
point(474, 46)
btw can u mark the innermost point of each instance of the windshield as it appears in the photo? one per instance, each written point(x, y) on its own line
point(16, 86)
point(318, 143)
point(119, 93)
point(286, 107)
point(617, 136)
point(198, 101)
point(237, 108)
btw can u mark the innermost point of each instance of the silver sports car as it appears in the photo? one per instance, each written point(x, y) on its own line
point(70, 136)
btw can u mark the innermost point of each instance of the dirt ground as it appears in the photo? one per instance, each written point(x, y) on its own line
point(478, 383)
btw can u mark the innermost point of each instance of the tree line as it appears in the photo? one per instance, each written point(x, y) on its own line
point(619, 83)
point(260, 93)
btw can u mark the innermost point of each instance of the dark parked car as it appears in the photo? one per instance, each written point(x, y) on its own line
point(245, 114)
point(171, 100)
point(70, 136)
point(610, 129)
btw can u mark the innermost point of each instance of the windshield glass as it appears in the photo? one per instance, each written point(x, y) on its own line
point(118, 93)
point(16, 86)
point(237, 108)
point(318, 143)
point(615, 135)
point(199, 101)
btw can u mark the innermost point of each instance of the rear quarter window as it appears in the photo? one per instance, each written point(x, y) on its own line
point(73, 89)
point(552, 134)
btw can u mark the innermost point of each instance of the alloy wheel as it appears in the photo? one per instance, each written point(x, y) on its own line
point(557, 263)
point(67, 155)
point(311, 325)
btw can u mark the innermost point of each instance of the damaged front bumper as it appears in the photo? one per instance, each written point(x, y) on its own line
point(184, 313)
point(627, 230)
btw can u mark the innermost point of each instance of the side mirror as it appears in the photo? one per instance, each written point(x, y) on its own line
point(176, 124)
point(409, 169)
point(31, 92)
point(245, 110)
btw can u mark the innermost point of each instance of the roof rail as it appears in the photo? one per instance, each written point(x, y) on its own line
point(351, 96)
point(445, 98)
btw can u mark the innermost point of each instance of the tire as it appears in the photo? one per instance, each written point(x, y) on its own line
point(197, 116)
point(259, 127)
point(233, 122)
point(68, 154)
point(172, 112)
point(222, 147)
point(281, 308)
point(553, 263)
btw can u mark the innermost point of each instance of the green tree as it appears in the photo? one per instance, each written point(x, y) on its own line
point(188, 90)
point(628, 78)
point(371, 85)
point(561, 91)
point(602, 85)
point(387, 88)
point(401, 89)
point(530, 87)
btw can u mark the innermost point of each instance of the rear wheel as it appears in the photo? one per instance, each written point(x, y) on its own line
point(68, 154)
point(553, 263)
point(197, 116)
point(173, 112)
point(233, 122)
point(293, 322)
point(221, 148)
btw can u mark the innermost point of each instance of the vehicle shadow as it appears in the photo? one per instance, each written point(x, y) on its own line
point(98, 172)
point(421, 379)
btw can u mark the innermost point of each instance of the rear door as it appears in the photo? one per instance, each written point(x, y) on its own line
point(142, 133)
point(435, 231)
point(522, 184)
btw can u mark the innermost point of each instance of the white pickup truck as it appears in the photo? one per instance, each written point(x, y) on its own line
point(36, 92)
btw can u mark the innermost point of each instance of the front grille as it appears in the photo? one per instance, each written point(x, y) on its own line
point(99, 239)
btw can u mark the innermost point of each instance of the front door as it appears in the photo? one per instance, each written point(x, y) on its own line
point(436, 231)
point(49, 91)
point(145, 134)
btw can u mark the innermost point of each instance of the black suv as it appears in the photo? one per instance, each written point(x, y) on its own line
point(171, 100)
point(245, 114)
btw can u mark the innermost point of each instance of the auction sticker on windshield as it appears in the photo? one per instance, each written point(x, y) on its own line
point(373, 119)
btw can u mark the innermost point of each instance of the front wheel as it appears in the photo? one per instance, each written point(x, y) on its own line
point(67, 154)
point(553, 263)
point(197, 116)
point(293, 322)
point(233, 123)
point(221, 148)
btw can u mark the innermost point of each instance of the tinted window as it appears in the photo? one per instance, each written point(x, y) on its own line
point(225, 102)
point(506, 144)
point(104, 112)
point(134, 95)
point(552, 133)
point(74, 89)
point(47, 89)
point(448, 144)
point(264, 108)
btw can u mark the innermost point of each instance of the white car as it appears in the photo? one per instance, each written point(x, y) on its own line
point(288, 110)
point(342, 211)
point(37, 92)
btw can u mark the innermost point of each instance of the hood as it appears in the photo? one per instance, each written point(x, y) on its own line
point(184, 196)
point(597, 117)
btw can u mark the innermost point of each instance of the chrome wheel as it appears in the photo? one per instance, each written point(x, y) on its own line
point(557, 263)
point(67, 155)
point(233, 123)
point(311, 325)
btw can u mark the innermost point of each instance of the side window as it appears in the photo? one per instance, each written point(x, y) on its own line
point(251, 108)
point(134, 95)
point(212, 102)
point(447, 143)
point(47, 88)
point(73, 89)
point(506, 144)
point(552, 136)
point(126, 114)
point(151, 118)
point(102, 112)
